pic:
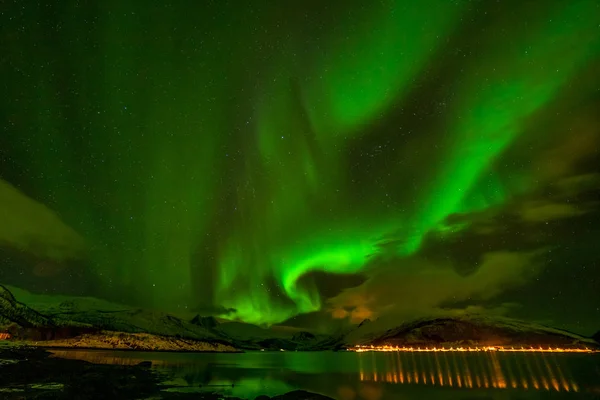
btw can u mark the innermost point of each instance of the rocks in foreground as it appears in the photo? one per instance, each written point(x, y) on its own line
point(30, 373)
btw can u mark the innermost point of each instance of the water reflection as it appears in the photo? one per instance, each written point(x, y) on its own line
point(540, 371)
point(369, 375)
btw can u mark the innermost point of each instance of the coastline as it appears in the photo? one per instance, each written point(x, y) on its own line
point(123, 341)
point(32, 372)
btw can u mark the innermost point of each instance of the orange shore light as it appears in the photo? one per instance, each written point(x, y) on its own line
point(539, 349)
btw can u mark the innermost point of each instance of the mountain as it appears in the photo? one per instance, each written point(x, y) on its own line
point(596, 336)
point(304, 337)
point(205, 322)
point(473, 330)
point(23, 321)
point(98, 323)
point(364, 322)
point(14, 312)
point(111, 325)
point(93, 323)
point(109, 316)
point(275, 338)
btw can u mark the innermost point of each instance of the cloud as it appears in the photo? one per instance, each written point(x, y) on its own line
point(543, 212)
point(328, 284)
point(213, 310)
point(576, 140)
point(569, 197)
point(475, 257)
point(499, 310)
point(414, 287)
point(30, 227)
point(576, 184)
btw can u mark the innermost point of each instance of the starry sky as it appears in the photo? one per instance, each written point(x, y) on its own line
point(309, 163)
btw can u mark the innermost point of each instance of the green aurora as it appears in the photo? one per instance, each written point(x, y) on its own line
point(209, 155)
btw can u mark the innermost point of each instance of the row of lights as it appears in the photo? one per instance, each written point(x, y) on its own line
point(360, 348)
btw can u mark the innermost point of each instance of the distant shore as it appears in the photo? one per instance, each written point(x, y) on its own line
point(123, 341)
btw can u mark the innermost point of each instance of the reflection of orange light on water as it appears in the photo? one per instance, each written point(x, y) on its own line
point(413, 368)
point(524, 382)
point(456, 371)
point(493, 378)
point(553, 380)
point(430, 368)
point(559, 373)
point(400, 367)
point(480, 370)
point(542, 374)
point(545, 383)
point(574, 386)
point(468, 380)
point(448, 372)
point(488, 371)
point(371, 392)
point(531, 374)
point(501, 381)
point(439, 370)
point(509, 372)
point(346, 393)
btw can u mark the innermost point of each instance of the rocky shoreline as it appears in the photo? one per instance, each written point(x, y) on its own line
point(31, 373)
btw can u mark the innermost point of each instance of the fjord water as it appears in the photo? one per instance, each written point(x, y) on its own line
point(372, 375)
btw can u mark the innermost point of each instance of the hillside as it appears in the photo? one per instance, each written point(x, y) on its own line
point(95, 323)
point(103, 321)
point(58, 321)
point(474, 330)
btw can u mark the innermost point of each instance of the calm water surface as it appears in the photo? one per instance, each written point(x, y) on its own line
point(373, 376)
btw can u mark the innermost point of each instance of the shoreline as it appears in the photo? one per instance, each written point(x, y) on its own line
point(63, 348)
point(32, 372)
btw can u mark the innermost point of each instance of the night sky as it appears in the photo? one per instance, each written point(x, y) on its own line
point(311, 163)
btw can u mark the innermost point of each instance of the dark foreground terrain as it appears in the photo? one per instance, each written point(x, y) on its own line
point(30, 373)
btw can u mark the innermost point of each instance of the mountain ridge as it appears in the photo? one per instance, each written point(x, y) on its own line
point(62, 317)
